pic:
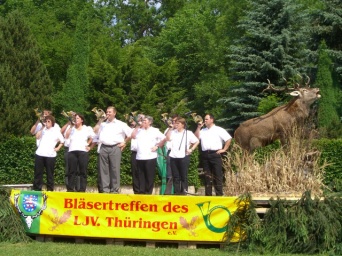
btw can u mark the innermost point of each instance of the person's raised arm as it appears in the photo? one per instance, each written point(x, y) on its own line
point(198, 129)
point(67, 135)
point(134, 133)
point(65, 127)
point(34, 127)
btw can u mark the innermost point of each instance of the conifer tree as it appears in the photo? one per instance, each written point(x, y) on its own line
point(24, 81)
point(328, 116)
point(76, 88)
point(327, 26)
point(272, 47)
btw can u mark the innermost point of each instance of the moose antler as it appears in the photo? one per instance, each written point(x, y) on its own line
point(270, 87)
point(307, 84)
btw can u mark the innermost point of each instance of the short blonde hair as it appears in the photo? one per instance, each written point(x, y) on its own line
point(181, 120)
point(112, 107)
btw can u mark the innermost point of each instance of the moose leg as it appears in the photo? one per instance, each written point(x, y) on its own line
point(255, 143)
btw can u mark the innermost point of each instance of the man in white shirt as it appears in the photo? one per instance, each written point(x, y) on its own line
point(212, 138)
point(112, 137)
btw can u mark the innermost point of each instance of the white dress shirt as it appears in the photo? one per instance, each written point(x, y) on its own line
point(177, 141)
point(146, 140)
point(48, 142)
point(213, 138)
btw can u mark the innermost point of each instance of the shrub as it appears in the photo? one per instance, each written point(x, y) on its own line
point(17, 164)
point(11, 227)
point(309, 225)
point(331, 154)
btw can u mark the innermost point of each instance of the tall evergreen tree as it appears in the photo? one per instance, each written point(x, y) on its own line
point(24, 81)
point(273, 46)
point(53, 25)
point(75, 92)
point(328, 116)
point(327, 26)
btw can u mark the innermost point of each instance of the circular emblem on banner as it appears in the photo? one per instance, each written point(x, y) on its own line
point(30, 202)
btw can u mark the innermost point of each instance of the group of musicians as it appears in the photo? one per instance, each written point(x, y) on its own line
point(111, 136)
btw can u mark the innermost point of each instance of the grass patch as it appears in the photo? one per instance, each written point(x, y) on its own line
point(54, 249)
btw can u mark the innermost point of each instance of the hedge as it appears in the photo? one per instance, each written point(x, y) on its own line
point(17, 164)
point(331, 153)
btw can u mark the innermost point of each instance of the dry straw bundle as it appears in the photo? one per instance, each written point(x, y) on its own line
point(285, 171)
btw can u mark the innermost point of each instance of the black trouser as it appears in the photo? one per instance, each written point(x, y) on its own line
point(78, 159)
point(179, 167)
point(213, 175)
point(135, 173)
point(66, 151)
point(40, 163)
point(147, 172)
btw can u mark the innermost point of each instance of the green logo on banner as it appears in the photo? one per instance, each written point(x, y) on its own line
point(206, 212)
point(30, 205)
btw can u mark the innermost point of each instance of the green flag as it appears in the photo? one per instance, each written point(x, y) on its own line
point(161, 164)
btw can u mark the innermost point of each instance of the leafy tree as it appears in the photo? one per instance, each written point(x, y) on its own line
point(273, 46)
point(190, 38)
point(221, 18)
point(146, 82)
point(328, 118)
point(24, 80)
point(133, 19)
point(169, 8)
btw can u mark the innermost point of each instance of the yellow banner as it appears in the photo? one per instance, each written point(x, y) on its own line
point(162, 217)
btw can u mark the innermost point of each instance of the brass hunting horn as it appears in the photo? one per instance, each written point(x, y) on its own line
point(39, 114)
point(99, 113)
point(70, 115)
point(197, 118)
point(166, 120)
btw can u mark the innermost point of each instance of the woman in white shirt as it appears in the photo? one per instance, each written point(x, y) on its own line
point(46, 153)
point(183, 143)
point(80, 139)
point(148, 140)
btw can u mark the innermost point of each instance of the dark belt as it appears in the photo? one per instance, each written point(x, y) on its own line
point(209, 151)
point(110, 146)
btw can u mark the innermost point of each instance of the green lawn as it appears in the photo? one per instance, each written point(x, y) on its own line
point(57, 248)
